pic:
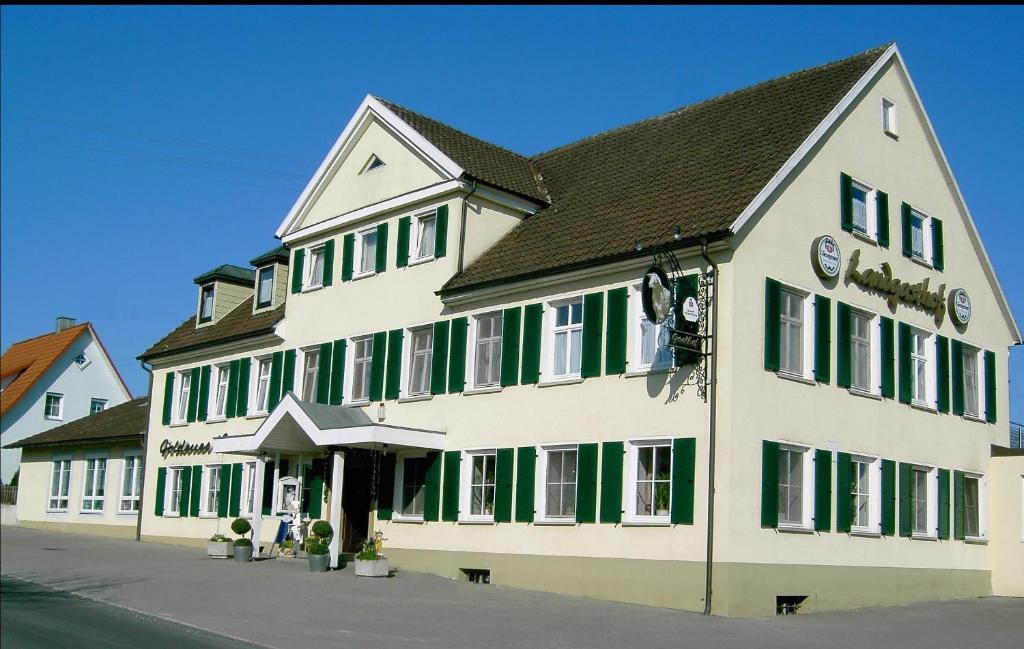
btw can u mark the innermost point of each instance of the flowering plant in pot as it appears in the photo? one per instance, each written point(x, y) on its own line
point(317, 546)
point(370, 562)
point(219, 547)
point(243, 546)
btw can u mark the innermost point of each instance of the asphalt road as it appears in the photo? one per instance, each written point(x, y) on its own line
point(34, 616)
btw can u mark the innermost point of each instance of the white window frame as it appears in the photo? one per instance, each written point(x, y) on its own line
point(472, 352)
point(351, 370)
point(929, 359)
point(397, 504)
point(304, 372)
point(213, 303)
point(92, 405)
point(135, 476)
point(874, 351)
point(925, 257)
point(629, 484)
point(310, 281)
point(634, 333)
point(172, 503)
point(416, 230)
point(541, 482)
point(273, 276)
point(60, 406)
point(979, 381)
point(932, 503)
point(61, 465)
point(89, 492)
point(222, 377)
point(208, 485)
point(357, 272)
point(874, 482)
point(406, 389)
point(181, 397)
point(550, 318)
point(258, 408)
point(890, 118)
point(806, 372)
point(807, 488)
point(982, 534)
point(466, 486)
point(249, 494)
point(870, 229)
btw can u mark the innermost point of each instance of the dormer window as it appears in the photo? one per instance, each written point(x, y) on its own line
point(373, 163)
point(265, 287)
point(206, 303)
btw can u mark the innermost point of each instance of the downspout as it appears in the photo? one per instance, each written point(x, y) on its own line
point(145, 459)
point(462, 229)
point(711, 426)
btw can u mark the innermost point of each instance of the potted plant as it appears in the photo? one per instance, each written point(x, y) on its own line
point(243, 546)
point(661, 498)
point(370, 562)
point(219, 547)
point(317, 546)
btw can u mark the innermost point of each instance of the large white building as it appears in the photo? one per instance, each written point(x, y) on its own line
point(450, 349)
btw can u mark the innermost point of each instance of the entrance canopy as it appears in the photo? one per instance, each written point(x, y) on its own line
point(301, 427)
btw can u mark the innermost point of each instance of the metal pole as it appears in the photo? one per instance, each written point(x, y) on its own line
point(713, 378)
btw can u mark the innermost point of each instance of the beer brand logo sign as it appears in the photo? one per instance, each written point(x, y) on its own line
point(960, 306)
point(896, 290)
point(168, 448)
point(825, 257)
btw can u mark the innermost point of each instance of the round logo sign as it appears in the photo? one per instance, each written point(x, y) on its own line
point(960, 306)
point(826, 257)
point(691, 311)
point(656, 295)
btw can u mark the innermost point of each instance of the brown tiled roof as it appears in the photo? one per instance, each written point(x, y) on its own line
point(481, 160)
point(696, 168)
point(125, 420)
point(29, 360)
point(239, 323)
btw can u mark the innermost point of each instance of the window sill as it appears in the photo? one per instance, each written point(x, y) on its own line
point(171, 515)
point(922, 406)
point(570, 380)
point(556, 522)
point(976, 540)
point(974, 418)
point(470, 521)
point(363, 275)
point(654, 369)
point(408, 520)
point(362, 403)
point(56, 511)
point(257, 415)
point(795, 377)
point(866, 534)
point(263, 307)
point(207, 516)
point(415, 398)
point(650, 523)
point(421, 260)
point(922, 262)
point(923, 537)
point(490, 389)
point(795, 529)
point(216, 420)
point(864, 236)
point(892, 134)
point(53, 418)
point(177, 424)
point(867, 395)
point(91, 512)
point(120, 513)
point(312, 289)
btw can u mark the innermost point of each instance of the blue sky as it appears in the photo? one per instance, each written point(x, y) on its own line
point(144, 146)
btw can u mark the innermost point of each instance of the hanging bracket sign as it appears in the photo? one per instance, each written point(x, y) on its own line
point(656, 295)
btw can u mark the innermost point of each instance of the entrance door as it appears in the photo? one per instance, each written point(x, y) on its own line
point(355, 499)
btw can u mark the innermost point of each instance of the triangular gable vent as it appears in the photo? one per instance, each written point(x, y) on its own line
point(373, 163)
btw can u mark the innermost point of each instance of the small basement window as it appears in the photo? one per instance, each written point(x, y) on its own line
point(477, 575)
point(788, 604)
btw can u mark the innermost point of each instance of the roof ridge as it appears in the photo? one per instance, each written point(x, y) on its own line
point(52, 333)
point(682, 109)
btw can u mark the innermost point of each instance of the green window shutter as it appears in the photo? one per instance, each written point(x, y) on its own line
point(234, 369)
point(611, 482)
point(510, 320)
point(822, 339)
point(593, 324)
point(943, 503)
point(386, 490)
point(337, 372)
point(204, 392)
point(235, 500)
point(432, 487)
point(845, 202)
point(457, 358)
point(533, 319)
point(193, 395)
point(906, 499)
point(888, 498)
point(323, 373)
point(450, 493)
point(990, 387)
point(684, 461)
point(316, 488)
point(822, 490)
point(441, 232)
point(942, 373)
point(223, 490)
point(908, 244)
point(168, 397)
point(843, 359)
point(844, 492)
point(906, 367)
point(888, 349)
point(242, 405)
point(382, 247)
point(504, 471)
point(348, 251)
point(526, 465)
point(769, 484)
point(161, 486)
point(772, 332)
point(186, 490)
point(197, 490)
point(586, 483)
point(288, 373)
point(276, 373)
point(938, 261)
point(439, 358)
point(328, 277)
point(393, 384)
point(267, 497)
point(296, 270)
point(379, 353)
point(882, 213)
point(618, 318)
point(402, 257)
point(959, 506)
point(957, 351)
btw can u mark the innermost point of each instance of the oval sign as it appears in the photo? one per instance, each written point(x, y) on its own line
point(825, 257)
point(656, 295)
point(960, 306)
point(691, 310)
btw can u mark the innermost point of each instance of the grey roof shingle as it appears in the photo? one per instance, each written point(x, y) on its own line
point(126, 420)
point(230, 273)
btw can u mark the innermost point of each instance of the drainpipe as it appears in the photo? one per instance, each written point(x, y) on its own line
point(711, 426)
point(145, 459)
point(462, 229)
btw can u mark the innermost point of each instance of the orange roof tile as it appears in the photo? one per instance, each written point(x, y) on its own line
point(29, 360)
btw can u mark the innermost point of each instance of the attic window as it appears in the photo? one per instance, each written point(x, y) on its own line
point(889, 117)
point(206, 303)
point(82, 361)
point(373, 163)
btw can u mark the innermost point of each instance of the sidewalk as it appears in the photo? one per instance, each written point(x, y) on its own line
point(281, 604)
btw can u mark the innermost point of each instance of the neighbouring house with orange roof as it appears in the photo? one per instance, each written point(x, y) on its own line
point(51, 380)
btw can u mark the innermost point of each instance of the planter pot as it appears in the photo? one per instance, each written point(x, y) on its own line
point(220, 549)
point(376, 568)
point(243, 553)
point(319, 562)
point(662, 512)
